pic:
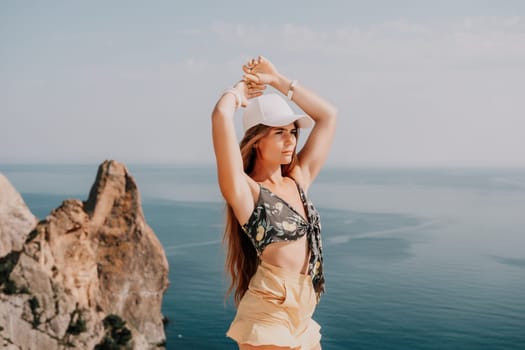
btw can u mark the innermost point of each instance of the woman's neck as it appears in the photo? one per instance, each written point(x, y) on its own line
point(266, 173)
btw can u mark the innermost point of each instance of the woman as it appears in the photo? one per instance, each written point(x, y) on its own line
point(272, 232)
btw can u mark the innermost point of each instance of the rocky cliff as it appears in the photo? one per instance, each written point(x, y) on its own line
point(90, 276)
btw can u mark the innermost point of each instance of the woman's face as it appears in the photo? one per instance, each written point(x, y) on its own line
point(279, 144)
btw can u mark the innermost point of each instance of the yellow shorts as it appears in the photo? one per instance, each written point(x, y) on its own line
point(277, 310)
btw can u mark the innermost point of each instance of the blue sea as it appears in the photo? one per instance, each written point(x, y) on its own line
point(414, 258)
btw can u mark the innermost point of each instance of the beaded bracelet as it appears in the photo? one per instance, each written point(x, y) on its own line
point(291, 89)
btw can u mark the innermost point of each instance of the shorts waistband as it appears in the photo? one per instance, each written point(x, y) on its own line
point(286, 274)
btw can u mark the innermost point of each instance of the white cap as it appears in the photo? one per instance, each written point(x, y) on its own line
point(273, 110)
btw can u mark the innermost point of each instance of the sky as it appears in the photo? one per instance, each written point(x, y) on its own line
point(416, 83)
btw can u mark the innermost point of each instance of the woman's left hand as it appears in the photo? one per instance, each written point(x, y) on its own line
point(260, 71)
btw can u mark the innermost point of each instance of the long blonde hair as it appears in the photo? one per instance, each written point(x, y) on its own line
point(241, 256)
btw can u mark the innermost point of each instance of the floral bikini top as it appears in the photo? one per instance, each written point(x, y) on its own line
point(274, 220)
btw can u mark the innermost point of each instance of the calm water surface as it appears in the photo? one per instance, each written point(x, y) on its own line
point(414, 258)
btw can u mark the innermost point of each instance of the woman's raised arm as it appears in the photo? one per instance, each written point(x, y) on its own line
point(315, 151)
point(233, 181)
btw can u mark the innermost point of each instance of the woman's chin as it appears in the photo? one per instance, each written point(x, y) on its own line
point(286, 160)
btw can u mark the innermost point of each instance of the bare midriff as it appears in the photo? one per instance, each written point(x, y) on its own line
point(292, 256)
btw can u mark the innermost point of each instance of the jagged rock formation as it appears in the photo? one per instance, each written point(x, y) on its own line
point(16, 221)
point(90, 275)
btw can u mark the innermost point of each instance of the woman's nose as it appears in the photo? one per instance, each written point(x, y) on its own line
point(289, 138)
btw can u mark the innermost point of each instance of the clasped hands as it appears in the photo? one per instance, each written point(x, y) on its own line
point(258, 73)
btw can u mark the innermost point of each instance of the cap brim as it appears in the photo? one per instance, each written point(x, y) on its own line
point(303, 121)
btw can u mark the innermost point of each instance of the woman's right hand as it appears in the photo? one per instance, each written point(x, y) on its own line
point(248, 91)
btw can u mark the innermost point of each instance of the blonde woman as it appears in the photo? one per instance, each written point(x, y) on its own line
point(273, 233)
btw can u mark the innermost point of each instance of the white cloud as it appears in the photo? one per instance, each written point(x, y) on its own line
point(392, 45)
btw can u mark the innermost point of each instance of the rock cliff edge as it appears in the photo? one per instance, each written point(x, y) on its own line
point(90, 276)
